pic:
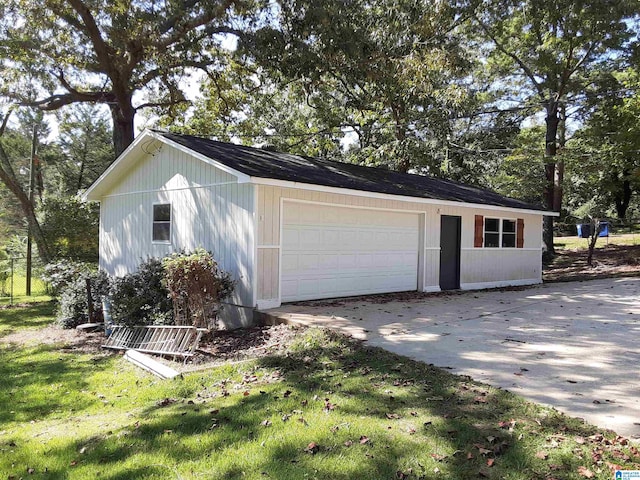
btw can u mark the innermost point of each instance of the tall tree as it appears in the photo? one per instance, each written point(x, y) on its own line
point(541, 53)
point(389, 66)
point(85, 148)
point(125, 54)
point(10, 177)
point(604, 152)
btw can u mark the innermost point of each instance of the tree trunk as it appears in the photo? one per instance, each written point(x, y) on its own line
point(552, 121)
point(7, 177)
point(401, 135)
point(623, 198)
point(558, 179)
point(123, 132)
point(593, 238)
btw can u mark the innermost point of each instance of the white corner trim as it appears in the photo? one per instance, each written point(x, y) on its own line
point(431, 289)
point(268, 303)
point(501, 283)
point(387, 196)
point(254, 249)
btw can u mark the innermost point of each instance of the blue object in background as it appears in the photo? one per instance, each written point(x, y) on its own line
point(584, 229)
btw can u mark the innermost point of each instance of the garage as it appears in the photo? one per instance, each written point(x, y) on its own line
point(334, 251)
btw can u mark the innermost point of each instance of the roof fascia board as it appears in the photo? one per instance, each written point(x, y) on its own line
point(146, 135)
point(388, 196)
point(242, 177)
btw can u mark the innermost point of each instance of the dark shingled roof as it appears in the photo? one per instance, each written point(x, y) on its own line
point(261, 163)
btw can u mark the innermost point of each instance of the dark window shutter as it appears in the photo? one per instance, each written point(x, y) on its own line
point(479, 231)
point(520, 233)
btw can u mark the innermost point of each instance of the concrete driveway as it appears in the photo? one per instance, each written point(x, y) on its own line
point(574, 346)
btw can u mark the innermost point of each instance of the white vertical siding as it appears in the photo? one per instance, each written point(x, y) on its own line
point(209, 210)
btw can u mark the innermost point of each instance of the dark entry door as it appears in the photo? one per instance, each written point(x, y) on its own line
point(449, 252)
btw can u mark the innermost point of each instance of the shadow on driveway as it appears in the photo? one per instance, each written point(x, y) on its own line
point(574, 346)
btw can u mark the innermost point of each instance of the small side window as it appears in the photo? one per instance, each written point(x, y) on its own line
point(491, 232)
point(509, 233)
point(162, 223)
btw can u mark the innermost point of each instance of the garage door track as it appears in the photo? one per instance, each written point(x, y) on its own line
point(574, 346)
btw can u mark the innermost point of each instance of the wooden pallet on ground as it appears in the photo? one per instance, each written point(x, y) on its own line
point(159, 339)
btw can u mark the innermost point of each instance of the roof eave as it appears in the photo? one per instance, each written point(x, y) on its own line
point(389, 196)
point(102, 185)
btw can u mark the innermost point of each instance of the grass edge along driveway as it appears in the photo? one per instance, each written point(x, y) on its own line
point(331, 408)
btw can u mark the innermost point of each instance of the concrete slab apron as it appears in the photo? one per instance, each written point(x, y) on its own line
point(574, 346)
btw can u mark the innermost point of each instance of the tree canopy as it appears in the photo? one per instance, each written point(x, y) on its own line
point(127, 55)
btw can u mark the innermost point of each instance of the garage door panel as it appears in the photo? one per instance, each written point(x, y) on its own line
point(339, 251)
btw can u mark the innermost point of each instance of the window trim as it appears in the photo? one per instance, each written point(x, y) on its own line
point(500, 232)
point(170, 222)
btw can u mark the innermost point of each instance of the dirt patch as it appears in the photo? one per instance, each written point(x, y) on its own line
point(243, 344)
point(69, 340)
point(609, 261)
point(215, 348)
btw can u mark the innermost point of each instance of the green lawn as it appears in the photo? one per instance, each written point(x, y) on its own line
point(573, 242)
point(38, 291)
point(329, 409)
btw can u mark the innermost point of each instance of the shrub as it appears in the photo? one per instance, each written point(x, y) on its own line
point(197, 287)
point(73, 307)
point(140, 298)
point(60, 274)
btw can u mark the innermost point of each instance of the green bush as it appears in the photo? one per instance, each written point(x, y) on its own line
point(60, 274)
point(197, 287)
point(140, 298)
point(73, 309)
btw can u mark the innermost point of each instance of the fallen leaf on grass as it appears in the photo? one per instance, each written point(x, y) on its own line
point(482, 449)
point(507, 424)
point(480, 399)
point(613, 467)
point(490, 462)
point(364, 439)
point(312, 448)
point(470, 456)
point(265, 423)
point(348, 443)
point(542, 455)
point(585, 472)
point(392, 416)
point(438, 457)
point(621, 455)
point(246, 393)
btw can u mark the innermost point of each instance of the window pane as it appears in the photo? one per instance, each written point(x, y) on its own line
point(161, 231)
point(491, 225)
point(509, 226)
point(162, 213)
point(509, 240)
point(491, 239)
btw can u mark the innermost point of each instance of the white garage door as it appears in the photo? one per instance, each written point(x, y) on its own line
point(330, 251)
